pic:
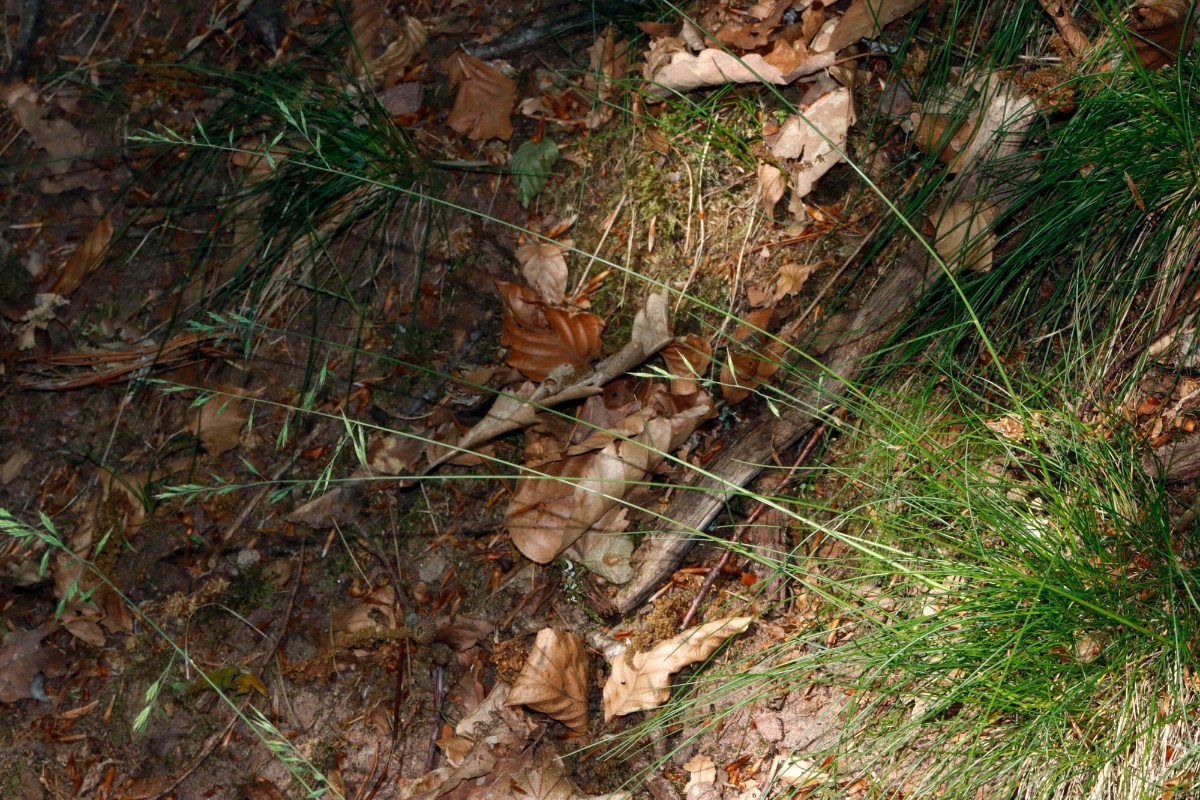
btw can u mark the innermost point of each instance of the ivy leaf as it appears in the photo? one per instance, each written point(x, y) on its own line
point(531, 166)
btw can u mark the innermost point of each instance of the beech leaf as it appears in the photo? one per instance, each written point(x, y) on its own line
point(772, 183)
point(485, 99)
point(644, 680)
point(544, 265)
point(219, 424)
point(554, 679)
point(542, 338)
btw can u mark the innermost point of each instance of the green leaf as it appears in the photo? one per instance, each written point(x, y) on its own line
point(531, 166)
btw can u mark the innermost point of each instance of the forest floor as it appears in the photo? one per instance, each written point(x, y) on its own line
point(230, 412)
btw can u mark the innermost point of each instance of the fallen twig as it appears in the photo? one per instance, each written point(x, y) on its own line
point(112, 366)
point(882, 312)
point(758, 511)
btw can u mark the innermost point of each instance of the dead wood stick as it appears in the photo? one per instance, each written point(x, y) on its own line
point(758, 511)
point(695, 506)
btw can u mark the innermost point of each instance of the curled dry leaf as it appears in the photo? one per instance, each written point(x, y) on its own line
point(609, 62)
point(965, 236)
point(644, 680)
point(944, 134)
point(772, 183)
point(687, 359)
point(814, 140)
point(38, 318)
point(680, 71)
point(865, 19)
point(624, 442)
point(370, 27)
point(1160, 30)
point(86, 258)
point(485, 100)
point(754, 359)
point(488, 747)
point(541, 338)
point(791, 278)
point(554, 679)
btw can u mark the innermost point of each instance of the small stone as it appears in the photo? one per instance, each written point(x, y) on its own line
point(769, 726)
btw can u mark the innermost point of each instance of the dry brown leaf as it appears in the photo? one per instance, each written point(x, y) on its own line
point(554, 679)
point(409, 41)
point(492, 745)
point(801, 773)
point(609, 61)
point(574, 490)
point(485, 100)
point(702, 779)
point(13, 465)
point(373, 612)
point(811, 21)
point(370, 26)
point(366, 20)
point(394, 455)
point(38, 318)
point(687, 358)
point(543, 778)
point(1009, 426)
point(753, 359)
point(1159, 30)
point(772, 183)
point(219, 424)
point(644, 680)
point(23, 656)
point(965, 237)
point(865, 19)
point(544, 265)
point(543, 339)
point(791, 278)
point(605, 549)
point(800, 138)
point(125, 499)
point(86, 258)
point(680, 71)
point(944, 134)
point(61, 140)
point(786, 56)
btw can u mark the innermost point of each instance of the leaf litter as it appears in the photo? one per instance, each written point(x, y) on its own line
point(581, 474)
